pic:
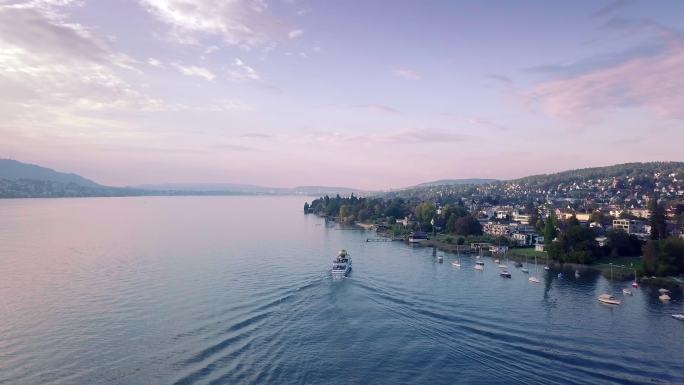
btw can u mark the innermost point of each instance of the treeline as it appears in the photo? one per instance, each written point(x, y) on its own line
point(424, 216)
point(641, 173)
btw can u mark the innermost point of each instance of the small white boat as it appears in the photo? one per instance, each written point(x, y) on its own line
point(342, 265)
point(456, 264)
point(440, 259)
point(664, 298)
point(496, 261)
point(533, 279)
point(502, 266)
point(546, 267)
point(626, 291)
point(678, 316)
point(479, 267)
point(663, 291)
point(525, 270)
point(608, 299)
point(505, 274)
point(577, 274)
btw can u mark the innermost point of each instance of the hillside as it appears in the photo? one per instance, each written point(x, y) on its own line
point(13, 170)
point(451, 182)
point(618, 184)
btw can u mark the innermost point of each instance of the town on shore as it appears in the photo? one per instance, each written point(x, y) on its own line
point(628, 215)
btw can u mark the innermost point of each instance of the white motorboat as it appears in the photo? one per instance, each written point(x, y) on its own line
point(577, 274)
point(502, 266)
point(664, 298)
point(479, 266)
point(496, 261)
point(342, 265)
point(626, 291)
point(678, 316)
point(456, 264)
point(608, 299)
point(663, 291)
point(440, 259)
point(533, 279)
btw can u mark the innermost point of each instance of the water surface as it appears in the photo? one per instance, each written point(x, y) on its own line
point(236, 290)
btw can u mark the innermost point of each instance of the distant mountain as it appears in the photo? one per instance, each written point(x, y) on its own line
point(14, 170)
point(452, 182)
point(209, 187)
point(323, 190)
point(245, 189)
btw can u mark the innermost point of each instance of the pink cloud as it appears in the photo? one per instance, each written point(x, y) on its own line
point(655, 83)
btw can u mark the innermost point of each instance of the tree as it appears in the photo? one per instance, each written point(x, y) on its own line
point(576, 244)
point(657, 220)
point(467, 226)
point(550, 231)
point(663, 257)
point(425, 212)
point(306, 207)
point(621, 244)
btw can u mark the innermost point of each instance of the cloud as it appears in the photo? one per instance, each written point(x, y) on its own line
point(231, 147)
point(406, 74)
point(155, 63)
point(239, 71)
point(612, 7)
point(487, 123)
point(380, 108)
point(295, 33)
point(196, 71)
point(48, 62)
point(256, 135)
point(242, 23)
point(505, 80)
point(406, 136)
point(655, 83)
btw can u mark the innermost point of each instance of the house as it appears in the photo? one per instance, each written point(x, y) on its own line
point(630, 226)
point(496, 229)
point(522, 218)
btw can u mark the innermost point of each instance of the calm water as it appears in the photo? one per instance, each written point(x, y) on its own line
point(236, 290)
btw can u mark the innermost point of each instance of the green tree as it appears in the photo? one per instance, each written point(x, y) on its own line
point(663, 257)
point(467, 226)
point(576, 244)
point(657, 220)
point(621, 244)
point(550, 231)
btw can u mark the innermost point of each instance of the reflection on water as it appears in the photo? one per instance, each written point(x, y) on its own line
point(215, 290)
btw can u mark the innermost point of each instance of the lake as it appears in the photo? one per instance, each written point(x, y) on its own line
point(237, 290)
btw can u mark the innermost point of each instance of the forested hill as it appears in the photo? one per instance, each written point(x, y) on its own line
point(13, 170)
point(638, 173)
point(614, 184)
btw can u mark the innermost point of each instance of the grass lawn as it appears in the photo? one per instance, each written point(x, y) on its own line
point(529, 252)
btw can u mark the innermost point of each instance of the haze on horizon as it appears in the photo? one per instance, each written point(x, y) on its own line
point(372, 95)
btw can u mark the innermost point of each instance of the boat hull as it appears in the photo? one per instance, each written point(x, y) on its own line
point(341, 273)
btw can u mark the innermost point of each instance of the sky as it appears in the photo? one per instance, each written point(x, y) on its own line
point(367, 94)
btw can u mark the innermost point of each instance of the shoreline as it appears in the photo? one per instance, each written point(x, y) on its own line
point(668, 282)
